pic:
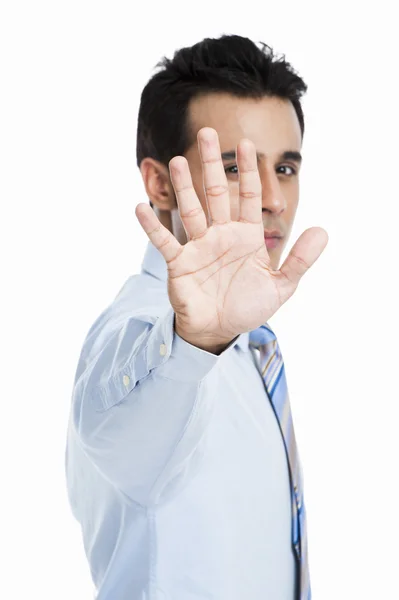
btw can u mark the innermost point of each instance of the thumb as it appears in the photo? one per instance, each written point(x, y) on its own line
point(302, 256)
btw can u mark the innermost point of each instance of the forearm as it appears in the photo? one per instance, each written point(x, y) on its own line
point(134, 400)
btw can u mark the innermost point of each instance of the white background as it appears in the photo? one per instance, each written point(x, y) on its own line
point(71, 77)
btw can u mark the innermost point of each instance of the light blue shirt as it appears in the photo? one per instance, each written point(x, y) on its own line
point(175, 465)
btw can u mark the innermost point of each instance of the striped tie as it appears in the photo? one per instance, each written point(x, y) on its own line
point(273, 374)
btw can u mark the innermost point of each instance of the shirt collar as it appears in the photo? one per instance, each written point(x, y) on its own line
point(154, 264)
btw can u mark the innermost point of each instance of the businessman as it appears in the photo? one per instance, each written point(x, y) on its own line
point(181, 461)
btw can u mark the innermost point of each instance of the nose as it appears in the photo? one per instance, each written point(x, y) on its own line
point(273, 199)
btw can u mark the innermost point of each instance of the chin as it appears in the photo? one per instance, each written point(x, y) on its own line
point(274, 265)
point(274, 260)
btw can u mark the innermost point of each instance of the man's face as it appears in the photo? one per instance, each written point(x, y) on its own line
point(272, 125)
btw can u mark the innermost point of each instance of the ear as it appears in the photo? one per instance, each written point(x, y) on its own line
point(157, 184)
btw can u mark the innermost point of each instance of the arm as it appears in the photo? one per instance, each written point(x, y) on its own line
point(142, 403)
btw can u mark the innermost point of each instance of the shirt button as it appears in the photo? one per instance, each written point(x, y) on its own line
point(126, 380)
point(162, 349)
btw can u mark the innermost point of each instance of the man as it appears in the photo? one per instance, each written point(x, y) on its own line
point(181, 459)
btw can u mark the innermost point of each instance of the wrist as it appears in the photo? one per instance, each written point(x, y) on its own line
point(214, 345)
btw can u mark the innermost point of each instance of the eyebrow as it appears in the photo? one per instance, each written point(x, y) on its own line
point(287, 155)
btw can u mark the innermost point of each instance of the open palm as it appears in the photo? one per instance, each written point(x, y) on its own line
point(220, 283)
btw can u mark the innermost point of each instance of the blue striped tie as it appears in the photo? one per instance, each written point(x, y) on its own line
point(273, 374)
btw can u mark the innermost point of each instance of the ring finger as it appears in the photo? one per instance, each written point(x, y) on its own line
point(190, 209)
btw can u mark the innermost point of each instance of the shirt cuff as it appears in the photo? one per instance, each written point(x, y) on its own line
point(174, 357)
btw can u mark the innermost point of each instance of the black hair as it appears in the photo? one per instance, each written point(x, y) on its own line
point(231, 64)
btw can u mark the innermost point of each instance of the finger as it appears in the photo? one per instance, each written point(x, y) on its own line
point(250, 187)
point(214, 177)
point(302, 256)
point(158, 234)
point(190, 209)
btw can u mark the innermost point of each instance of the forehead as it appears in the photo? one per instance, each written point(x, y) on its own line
point(270, 122)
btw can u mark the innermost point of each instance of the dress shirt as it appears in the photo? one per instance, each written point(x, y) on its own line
point(175, 465)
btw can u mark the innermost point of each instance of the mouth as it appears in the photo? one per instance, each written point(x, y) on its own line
point(273, 239)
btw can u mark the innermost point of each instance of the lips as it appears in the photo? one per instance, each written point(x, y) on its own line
point(269, 233)
point(272, 239)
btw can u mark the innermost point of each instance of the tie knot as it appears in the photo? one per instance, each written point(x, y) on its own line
point(262, 335)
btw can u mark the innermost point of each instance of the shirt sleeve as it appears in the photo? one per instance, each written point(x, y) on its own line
point(142, 403)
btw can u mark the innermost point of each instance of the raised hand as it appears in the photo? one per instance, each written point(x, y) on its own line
point(220, 283)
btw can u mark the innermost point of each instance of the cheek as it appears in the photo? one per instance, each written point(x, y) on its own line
point(234, 200)
point(198, 185)
point(292, 205)
point(289, 216)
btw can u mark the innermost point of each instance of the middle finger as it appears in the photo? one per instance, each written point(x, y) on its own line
point(214, 177)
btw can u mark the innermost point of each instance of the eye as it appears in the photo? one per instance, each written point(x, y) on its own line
point(294, 172)
point(228, 170)
point(233, 170)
